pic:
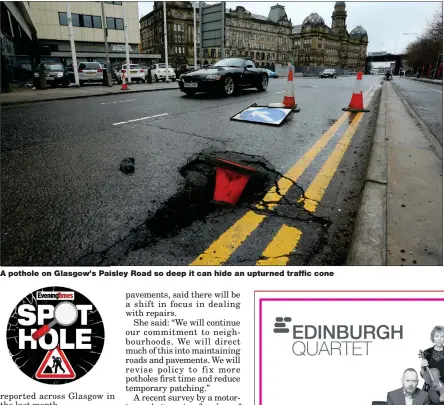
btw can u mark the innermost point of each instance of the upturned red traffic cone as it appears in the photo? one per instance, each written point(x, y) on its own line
point(357, 100)
point(124, 85)
point(229, 185)
point(289, 100)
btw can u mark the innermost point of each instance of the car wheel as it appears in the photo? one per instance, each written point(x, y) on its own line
point(163, 80)
point(156, 79)
point(82, 82)
point(263, 85)
point(65, 83)
point(190, 92)
point(229, 86)
point(173, 79)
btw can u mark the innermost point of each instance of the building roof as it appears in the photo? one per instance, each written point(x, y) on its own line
point(277, 13)
point(297, 29)
point(314, 19)
point(358, 32)
point(259, 17)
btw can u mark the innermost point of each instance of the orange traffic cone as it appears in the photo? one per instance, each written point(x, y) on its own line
point(357, 101)
point(289, 100)
point(230, 182)
point(124, 85)
point(229, 185)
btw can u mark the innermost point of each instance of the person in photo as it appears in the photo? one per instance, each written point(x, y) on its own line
point(409, 393)
point(434, 359)
point(57, 362)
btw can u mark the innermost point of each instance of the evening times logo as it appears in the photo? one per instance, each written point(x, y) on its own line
point(55, 335)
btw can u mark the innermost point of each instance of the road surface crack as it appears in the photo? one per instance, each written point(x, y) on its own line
point(186, 133)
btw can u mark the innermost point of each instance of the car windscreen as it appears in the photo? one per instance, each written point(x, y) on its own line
point(328, 70)
point(90, 66)
point(135, 67)
point(163, 65)
point(48, 66)
point(231, 62)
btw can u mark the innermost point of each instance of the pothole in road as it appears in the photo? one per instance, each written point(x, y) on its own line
point(195, 201)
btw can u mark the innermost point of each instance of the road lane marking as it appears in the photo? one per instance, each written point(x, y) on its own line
point(317, 188)
point(229, 241)
point(428, 88)
point(140, 119)
point(115, 102)
point(280, 92)
point(223, 247)
point(284, 184)
point(278, 251)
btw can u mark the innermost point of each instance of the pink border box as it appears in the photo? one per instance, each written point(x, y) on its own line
point(261, 300)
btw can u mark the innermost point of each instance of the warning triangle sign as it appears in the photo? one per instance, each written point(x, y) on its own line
point(55, 365)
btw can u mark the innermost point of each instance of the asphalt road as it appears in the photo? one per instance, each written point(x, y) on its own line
point(65, 201)
point(426, 99)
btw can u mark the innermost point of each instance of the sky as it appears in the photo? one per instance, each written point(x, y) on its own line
point(385, 22)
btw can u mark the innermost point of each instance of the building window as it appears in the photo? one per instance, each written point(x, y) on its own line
point(233, 53)
point(179, 38)
point(97, 21)
point(114, 23)
point(110, 23)
point(119, 23)
point(205, 53)
point(87, 21)
point(63, 19)
point(213, 53)
point(80, 20)
point(75, 20)
point(116, 3)
point(179, 28)
point(219, 53)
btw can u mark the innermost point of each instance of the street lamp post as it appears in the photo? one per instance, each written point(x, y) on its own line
point(195, 35)
point(394, 52)
point(405, 33)
point(165, 34)
point(105, 34)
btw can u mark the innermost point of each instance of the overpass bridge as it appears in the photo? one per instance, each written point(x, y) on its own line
point(386, 57)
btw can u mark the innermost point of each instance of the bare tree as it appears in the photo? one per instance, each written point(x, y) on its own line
point(428, 48)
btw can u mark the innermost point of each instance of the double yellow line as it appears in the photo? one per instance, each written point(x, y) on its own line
point(287, 238)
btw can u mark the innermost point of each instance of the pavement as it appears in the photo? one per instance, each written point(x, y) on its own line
point(88, 90)
point(426, 100)
point(65, 201)
point(399, 221)
point(421, 79)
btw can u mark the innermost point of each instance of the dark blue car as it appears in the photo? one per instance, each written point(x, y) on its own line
point(271, 74)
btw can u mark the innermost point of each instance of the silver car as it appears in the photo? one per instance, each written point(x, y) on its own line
point(90, 72)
